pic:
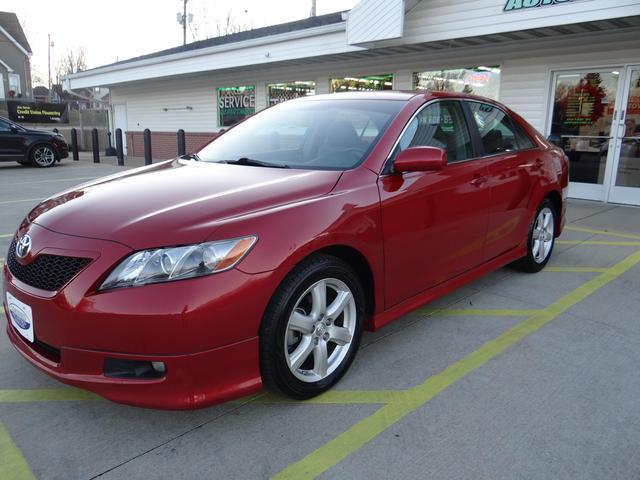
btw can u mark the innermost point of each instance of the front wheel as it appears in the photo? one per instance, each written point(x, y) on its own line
point(312, 328)
point(541, 238)
point(43, 156)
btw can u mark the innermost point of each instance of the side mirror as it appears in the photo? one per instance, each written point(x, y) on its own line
point(420, 159)
point(14, 129)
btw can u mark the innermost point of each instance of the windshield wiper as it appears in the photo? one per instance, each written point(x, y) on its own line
point(190, 156)
point(255, 163)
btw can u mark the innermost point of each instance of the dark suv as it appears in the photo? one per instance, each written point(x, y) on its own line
point(36, 147)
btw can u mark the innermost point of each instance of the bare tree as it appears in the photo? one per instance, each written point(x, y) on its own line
point(74, 60)
point(229, 24)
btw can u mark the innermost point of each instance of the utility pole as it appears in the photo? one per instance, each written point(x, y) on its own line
point(184, 22)
point(313, 8)
point(49, 62)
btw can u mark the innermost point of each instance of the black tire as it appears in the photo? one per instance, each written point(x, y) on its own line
point(532, 263)
point(42, 155)
point(274, 331)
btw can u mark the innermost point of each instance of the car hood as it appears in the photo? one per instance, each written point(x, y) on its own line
point(175, 202)
point(39, 132)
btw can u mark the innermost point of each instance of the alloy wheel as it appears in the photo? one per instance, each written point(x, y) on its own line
point(320, 330)
point(543, 234)
point(44, 156)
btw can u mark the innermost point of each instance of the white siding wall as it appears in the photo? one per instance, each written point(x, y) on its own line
point(433, 20)
point(374, 20)
point(326, 40)
point(525, 78)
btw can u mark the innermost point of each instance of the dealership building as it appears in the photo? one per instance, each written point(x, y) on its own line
point(570, 67)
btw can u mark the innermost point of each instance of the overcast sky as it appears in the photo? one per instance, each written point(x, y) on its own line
point(112, 30)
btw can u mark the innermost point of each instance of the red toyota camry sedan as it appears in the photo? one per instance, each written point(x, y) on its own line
point(261, 259)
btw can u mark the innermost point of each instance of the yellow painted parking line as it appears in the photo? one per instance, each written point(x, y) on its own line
point(367, 429)
point(598, 242)
point(46, 395)
point(574, 269)
point(13, 465)
point(7, 202)
point(488, 312)
point(602, 232)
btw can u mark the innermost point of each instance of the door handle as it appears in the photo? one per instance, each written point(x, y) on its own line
point(478, 180)
point(536, 165)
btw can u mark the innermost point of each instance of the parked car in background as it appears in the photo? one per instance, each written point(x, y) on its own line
point(30, 147)
point(260, 260)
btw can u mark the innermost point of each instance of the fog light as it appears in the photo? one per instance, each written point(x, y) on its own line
point(159, 367)
point(133, 369)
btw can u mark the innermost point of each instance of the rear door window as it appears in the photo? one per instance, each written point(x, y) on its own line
point(498, 133)
point(440, 124)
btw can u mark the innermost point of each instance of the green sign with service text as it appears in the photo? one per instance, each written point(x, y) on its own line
point(235, 104)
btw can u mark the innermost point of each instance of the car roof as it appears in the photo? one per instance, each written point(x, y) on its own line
point(399, 95)
point(377, 95)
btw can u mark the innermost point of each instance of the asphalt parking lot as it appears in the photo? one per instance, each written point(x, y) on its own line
point(515, 376)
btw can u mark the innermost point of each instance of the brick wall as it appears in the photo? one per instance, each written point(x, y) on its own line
point(164, 145)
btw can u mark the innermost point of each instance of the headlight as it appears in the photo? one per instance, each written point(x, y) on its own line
point(177, 263)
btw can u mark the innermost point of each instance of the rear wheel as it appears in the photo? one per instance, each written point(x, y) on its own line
point(312, 328)
point(541, 238)
point(43, 156)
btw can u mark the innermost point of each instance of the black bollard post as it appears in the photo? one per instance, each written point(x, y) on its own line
point(96, 147)
point(74, 143)
point(109, 151)
point(147, 146)
point(182, 149)
point(119, 152)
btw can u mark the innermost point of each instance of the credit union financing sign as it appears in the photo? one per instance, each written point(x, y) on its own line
point(511, 5)
point(235, 104)
point(39, 112)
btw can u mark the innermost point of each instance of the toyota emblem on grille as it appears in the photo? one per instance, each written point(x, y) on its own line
point(23, 247)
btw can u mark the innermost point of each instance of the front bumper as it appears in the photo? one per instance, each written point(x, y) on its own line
point(192, 380)
point(62, 150)
point(203, 329)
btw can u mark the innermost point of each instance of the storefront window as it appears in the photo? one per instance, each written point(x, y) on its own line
point(582, 120)
point(362, 84)
point(629, 163)
point(483, 81)
point(235, 104)
point(281, 92)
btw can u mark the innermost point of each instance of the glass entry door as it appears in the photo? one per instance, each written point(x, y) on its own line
point(583, 124)
point(626, 178)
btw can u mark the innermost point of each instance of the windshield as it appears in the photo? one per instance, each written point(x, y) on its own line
point(312, 134)
point(6, 124)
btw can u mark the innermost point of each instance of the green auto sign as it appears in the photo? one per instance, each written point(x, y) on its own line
point(235, 104)
point(522, 4)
